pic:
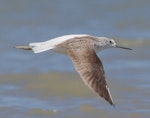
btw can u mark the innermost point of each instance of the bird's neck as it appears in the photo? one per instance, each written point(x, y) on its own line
point(99, 48)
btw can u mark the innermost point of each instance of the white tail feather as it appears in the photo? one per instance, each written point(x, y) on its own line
point(40, 47)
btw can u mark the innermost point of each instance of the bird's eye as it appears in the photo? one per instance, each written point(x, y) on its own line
point(110, 42)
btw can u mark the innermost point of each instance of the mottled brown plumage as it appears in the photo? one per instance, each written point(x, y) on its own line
point(82, 49)
point(88, 65)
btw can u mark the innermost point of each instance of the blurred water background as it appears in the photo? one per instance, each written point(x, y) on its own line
point(47, 85)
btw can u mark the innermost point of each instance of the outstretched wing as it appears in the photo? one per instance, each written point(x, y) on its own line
point(89, 66)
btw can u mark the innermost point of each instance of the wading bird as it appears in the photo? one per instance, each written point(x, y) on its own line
point(82, 49)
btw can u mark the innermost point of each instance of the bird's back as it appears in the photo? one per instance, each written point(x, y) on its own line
point(51, 44)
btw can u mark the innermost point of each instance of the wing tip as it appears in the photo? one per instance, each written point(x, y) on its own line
point(112, 104)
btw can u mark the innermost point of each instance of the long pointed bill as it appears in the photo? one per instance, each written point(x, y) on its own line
point(123, 47)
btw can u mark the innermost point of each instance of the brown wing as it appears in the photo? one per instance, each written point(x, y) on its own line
point(89, 66)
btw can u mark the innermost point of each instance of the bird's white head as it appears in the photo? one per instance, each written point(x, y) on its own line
point(105, 43)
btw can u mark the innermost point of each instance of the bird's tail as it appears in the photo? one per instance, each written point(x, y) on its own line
point(36, 47)
point(40, 47)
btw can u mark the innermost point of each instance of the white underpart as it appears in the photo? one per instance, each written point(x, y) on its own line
point(51, 44)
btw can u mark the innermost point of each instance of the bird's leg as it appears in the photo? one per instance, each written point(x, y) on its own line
point(24, 47)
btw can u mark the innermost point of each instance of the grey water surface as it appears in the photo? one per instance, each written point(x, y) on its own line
point(46, 85)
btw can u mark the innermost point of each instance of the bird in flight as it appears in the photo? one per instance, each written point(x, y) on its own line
point(82, 49)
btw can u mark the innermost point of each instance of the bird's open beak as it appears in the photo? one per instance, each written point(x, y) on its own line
point(123, 47)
